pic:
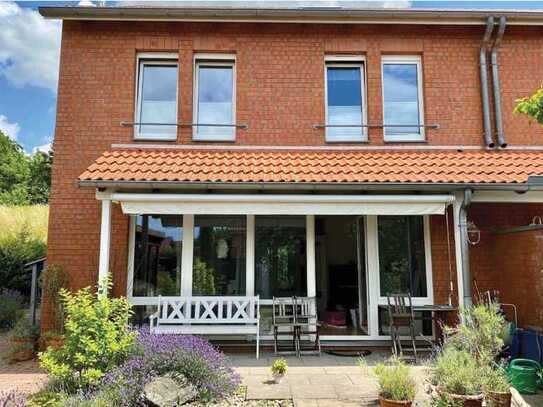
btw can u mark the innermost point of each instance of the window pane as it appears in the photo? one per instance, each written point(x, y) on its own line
point(157, 255)
point(344, 103)
point(219, 255)
point(215, 85)
point(402, 265)
point(158, 98)
point(401, 105)
point(280, 256)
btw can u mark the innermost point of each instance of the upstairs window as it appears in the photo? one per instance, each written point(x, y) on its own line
point(402, 98)
point(156, 105)
point(345, 105)
point(214, 98)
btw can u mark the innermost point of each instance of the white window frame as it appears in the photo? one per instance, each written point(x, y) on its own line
point(154, 58)
point(404, 60)
point(225, 60)
point(347, 61)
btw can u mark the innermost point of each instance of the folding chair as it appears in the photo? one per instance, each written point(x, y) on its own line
point(284, 323)
point(400, 315)
point(307, 324)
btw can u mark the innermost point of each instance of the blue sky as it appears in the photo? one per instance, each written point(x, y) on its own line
point(29, 49)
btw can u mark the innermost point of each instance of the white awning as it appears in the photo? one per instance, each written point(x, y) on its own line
point(226, 204)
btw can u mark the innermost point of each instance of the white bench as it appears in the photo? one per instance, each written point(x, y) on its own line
point(207, 316)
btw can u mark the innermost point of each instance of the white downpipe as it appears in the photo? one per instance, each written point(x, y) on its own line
point(458, 246)
point(105, 246)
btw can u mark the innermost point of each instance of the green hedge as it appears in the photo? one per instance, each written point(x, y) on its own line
point(23, 238)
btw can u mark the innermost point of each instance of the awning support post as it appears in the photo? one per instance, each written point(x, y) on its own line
point(105, 245)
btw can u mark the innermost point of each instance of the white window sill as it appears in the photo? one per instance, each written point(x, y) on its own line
point(155, 138)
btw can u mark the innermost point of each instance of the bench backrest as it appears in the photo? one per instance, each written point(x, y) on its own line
point(208, 310)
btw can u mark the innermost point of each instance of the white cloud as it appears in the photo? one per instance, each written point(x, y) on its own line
point(29, 47)
point(45, 148)
point(9, 129)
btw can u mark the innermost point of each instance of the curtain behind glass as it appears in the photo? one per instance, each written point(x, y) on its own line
point(402, 263)
point(157, 255)
point(280, 256)
point(219, 255)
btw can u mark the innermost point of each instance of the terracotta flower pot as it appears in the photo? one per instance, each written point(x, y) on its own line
point(26, 351)
point(495, 399)
point(393, 403)
point(54, 342)
point(467, 401)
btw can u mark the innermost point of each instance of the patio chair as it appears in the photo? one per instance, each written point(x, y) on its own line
point(284, 323)
point(307, 325)
point(401, 315)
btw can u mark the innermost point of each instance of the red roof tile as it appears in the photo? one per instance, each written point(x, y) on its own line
point(315, 166)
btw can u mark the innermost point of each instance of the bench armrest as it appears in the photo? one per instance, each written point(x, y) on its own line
point(153, 320)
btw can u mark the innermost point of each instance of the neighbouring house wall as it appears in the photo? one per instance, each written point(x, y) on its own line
point(280, 94)
point(511, 263)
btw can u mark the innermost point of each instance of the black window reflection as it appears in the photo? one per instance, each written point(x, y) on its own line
point(219, 255)
point(157, 255)
point(402, 265)
point(280, 256)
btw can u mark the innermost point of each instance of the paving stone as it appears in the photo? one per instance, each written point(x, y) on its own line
point(268, 392)
point(337, 403)
point(305, 403)
point(306, 370)
point(313, 391)
point(330, 379)
point(356, 392)
point(342, 370)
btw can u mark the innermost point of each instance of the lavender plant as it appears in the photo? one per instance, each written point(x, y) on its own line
point(12, 399)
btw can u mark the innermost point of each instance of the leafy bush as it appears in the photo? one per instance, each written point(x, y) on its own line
point(496, 380)
point(97, 339)
point(480, 333)
point(279, 367)
point(458, 372)
point(395, 381)
point(531, 106)
point(11, 304)
point(23, 238)
point(187, 357)
point(53, 280)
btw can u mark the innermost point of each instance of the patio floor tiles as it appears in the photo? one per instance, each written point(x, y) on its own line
point(314, 391)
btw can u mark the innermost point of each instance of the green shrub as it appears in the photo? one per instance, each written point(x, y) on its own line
point(97, 339)
point(279, 367)
point(496, 380)
point(23, 238)
point(46, 398)
point(458, 372)
point(53, 280)
point(479, 333)
point(395, 381)
point(11, 308)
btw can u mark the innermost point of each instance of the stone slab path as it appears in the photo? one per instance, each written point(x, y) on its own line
point(314, 381)
point(25, 377)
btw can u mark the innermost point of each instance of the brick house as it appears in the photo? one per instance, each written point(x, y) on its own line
point(341, 154)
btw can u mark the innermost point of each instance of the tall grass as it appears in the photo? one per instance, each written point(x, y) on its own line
point(23, 238)
point(14, 219)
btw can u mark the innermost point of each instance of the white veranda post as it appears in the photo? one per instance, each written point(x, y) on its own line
point(105, 245)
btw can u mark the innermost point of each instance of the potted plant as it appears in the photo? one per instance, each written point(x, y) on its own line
point(23, 340)
point(54, 279)
point(497, 387)
point(458, 377)
point(279, 370)
point(397, 386)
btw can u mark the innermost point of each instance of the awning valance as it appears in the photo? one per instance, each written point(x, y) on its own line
point(237, 204)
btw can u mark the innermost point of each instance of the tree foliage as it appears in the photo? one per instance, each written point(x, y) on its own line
point(532, 106)
point(24, 179)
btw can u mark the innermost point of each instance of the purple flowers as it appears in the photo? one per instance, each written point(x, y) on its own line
point(189, 356)
point(12, 399)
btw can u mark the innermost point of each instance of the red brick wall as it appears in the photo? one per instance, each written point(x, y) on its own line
point(511, 263)
point(280, 94)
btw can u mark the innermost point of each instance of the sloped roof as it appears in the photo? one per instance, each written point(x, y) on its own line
point(241, 166)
